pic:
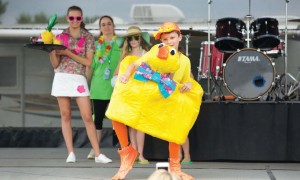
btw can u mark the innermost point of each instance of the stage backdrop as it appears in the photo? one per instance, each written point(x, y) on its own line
point(240, 131)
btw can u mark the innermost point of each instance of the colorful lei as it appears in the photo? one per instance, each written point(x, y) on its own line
point(102, 51)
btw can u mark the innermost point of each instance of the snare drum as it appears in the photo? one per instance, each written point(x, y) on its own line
point(265, 33)
point(277, 51)
point(248, 74)
point(216, 60)
point(229, 34)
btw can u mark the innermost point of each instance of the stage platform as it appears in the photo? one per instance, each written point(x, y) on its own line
point(49, 164)
point(248, 131)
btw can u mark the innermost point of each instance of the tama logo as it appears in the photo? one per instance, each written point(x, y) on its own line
point(248, 59)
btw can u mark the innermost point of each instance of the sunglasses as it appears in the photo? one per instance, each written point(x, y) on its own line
point(130, 38)
point(72, 18)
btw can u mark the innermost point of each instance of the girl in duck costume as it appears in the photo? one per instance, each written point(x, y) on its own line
point(157, 96)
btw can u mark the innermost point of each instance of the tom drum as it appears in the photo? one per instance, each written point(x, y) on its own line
point(229, 34)
point(265, 33)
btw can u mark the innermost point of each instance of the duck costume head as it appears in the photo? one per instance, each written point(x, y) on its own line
point(164, 59)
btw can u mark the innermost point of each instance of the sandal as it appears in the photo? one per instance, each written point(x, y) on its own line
point(144, 161)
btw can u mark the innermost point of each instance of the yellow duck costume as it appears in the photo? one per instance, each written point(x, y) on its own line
point(151, 102)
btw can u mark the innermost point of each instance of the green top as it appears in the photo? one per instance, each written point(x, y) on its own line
point(100, 86)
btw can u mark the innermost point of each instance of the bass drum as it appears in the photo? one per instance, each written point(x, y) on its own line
point(248, 74)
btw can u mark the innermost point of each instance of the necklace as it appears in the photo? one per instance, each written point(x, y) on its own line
point(103, 50)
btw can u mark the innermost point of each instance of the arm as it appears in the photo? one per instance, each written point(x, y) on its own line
point(54, 59)
point(89, 73)
point(187, 86)
point(187, 76)
point(87, 61)
point(130, 69)
point(117, 68)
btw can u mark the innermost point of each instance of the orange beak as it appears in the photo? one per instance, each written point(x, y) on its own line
point(163, 53)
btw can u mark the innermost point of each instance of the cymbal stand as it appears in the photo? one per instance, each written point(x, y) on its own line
point(285, 50)
point(289, 88)
point(208, 51)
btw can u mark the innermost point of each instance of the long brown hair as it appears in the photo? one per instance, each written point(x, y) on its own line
point(111, 19)
point(126, 47)
point(76, 8)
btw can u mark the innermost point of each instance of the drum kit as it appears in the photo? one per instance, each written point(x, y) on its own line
point(247, 71)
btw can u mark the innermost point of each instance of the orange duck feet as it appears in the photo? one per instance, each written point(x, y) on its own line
point(175, 167)
point(127, 155)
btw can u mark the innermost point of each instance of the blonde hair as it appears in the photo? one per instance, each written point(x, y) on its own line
point(162, 174)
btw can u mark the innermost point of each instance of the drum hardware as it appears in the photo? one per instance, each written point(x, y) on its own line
point(248, 19)
point(289, 88)
point(208, 52)
point(293, 86)
point(187, 45)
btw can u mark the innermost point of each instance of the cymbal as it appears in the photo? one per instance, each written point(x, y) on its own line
point(294, 20)
point(193, 32)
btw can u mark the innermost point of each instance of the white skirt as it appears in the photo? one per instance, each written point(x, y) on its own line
point(69, 85)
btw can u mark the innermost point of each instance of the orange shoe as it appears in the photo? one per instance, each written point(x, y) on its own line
point(175, 167)
point(127, 155)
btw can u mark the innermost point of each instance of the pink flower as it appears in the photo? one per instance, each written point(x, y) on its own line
point(80, 89)
point(81, 42)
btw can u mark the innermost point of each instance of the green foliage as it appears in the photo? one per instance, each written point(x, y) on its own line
point(40, 18)
point(24, 19)
point(3, 7)
point(61, 20)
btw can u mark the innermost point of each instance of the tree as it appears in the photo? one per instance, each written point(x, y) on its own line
point(3, 6)
point(24, 19)
point(40, 18)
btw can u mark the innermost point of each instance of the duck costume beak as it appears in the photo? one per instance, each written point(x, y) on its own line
point(163, 52)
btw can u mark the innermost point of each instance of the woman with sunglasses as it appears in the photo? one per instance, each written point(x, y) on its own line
point(70, 81)
point(134, 45)
point(103, 66)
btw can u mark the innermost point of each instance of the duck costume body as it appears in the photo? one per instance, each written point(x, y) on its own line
point(150, 101)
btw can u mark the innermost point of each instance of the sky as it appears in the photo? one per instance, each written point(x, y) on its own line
point(192, 9)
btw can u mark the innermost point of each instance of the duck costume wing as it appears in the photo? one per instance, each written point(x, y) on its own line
point(151, 102)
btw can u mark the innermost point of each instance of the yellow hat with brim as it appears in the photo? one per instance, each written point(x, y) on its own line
point(166, 27)
point(133, 30)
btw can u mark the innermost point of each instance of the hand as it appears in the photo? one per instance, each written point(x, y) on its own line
point(53, 52)
point(61, 52)
point(123, 78)
point(186, 87)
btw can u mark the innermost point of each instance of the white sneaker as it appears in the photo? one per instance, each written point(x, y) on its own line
point(102, 159)
point(91, 155)
point(71, 158)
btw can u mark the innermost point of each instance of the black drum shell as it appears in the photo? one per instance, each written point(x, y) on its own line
point(265, 33)
point(229, 34)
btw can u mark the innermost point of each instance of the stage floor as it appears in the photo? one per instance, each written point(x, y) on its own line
point(49, 163)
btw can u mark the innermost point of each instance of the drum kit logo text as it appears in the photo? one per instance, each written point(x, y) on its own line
point(248, 59)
